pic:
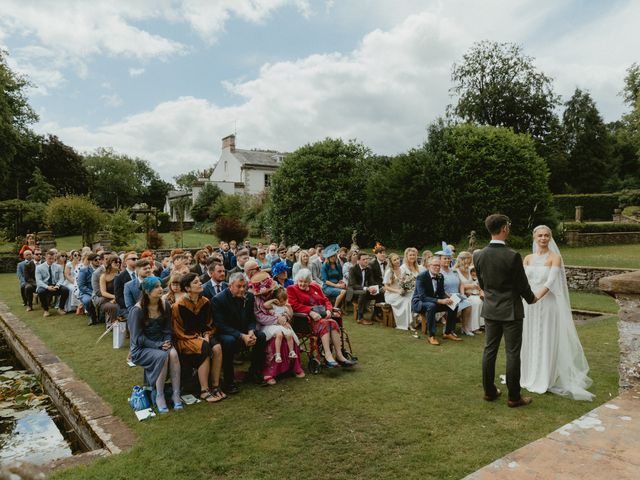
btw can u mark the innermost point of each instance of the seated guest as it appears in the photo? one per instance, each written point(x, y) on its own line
point(262, 261)
point(452, 286)
point(49, 284)
point(228, 257)
point(471, 289)
point(241, 258)
point(194, 331)
point(201, 261)
point(291, 259)
point(303, 262)
point(333, 285)
point(132, 287)
point(85, 290)
point(216, 284)
point(125, 276)
point(234, 315)
point(424, 260)
point(106, 301)
point(29, 245)
point(71, 271)
point(151, 345)
point(396, 289)
point(279, 274)
point(272, 255)
point(26, 292)
point(274, 321)
point(306, 297)
point(352, 259)
point(156, 266)
point(363, 288)
point(175, 292)
point(95, 277)
point(430, 298)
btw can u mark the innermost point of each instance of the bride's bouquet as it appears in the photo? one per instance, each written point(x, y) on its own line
point(407, 282)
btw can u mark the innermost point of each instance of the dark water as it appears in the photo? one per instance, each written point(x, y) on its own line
point(31, 429)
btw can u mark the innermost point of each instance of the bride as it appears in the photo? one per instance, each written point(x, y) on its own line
point(551, 358)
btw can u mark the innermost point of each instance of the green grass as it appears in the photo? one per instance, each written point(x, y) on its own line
point(619, 256)
point(408, 410)
point(593, 301)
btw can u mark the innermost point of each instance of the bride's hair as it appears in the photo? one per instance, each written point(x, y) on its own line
point(539, 227)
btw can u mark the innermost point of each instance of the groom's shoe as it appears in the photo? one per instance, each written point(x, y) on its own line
point(491, 398)
point(519, 403)
point(433, 341)
point(451, 336)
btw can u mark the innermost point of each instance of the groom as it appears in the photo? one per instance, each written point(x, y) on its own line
point(501, 276)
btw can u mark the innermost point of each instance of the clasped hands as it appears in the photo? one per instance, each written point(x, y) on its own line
point(166, 345)
point(283, 322)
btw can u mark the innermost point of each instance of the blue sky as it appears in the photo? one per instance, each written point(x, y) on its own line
point(165, 80)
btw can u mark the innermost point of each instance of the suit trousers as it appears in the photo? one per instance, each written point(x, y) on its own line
point(46, 297)
point(364, 297)
point(512, 331)
point(230, 346)
point(430, 311)
point(27, 291)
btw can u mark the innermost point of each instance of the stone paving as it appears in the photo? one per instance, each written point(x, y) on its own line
point(603, 444)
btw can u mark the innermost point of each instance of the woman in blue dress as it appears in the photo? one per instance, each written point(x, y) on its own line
point(452, 285)
point(333, 285)
point(151, 345)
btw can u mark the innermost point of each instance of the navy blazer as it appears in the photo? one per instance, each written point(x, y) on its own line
point(131, 293)
point(424, 292)
point(208, 290)
point(233, 316)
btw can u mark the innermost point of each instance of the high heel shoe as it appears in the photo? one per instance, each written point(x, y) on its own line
point(330, 363)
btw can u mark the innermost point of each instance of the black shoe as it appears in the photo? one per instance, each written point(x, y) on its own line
point(230, 388)
point(91, 321)
point(347, 363)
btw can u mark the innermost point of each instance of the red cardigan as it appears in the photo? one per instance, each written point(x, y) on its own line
point(302, 301)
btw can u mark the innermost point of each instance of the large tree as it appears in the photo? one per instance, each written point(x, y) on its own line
point(317, 195)
point(63, 167)
point(496, 84)
point(15, 117)
point(587, 143)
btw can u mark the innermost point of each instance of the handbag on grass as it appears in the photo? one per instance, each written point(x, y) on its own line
point(139, 399)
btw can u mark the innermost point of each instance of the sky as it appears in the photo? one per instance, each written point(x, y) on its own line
point(166, 80)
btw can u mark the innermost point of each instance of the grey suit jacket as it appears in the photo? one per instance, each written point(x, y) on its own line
point(501, 276)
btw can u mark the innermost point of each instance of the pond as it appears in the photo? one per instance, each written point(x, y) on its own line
point(31, 429)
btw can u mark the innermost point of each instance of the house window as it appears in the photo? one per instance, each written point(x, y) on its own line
point(226, 166)
point(267, 180)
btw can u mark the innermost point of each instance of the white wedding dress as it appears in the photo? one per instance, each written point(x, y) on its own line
point(552, 358)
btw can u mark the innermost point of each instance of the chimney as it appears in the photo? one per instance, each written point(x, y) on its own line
point(229, 142)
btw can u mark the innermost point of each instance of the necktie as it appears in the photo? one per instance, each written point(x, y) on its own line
point(50, 281)
point(217, 289)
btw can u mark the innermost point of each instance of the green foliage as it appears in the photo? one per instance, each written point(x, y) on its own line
point(587, 143)
point(489, 170)
point(164, 222)
point(73, 214)
point(18, 217)
point(631, 211)
point(231, 206)
point(317, 194)
point(40, 190)
point(608, 227)
point(202, 207)
point(63, 167)
point(15, 115)
point(154, 240)
point(255, 213)
point(185, 181)
point(498, 85)
point(597, 206)
point(122, 227)
point(629, 197)
point(228, 228)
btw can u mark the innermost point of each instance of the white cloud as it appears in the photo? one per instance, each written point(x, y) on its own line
point(136, 72)
point(112, 100)
point(384, 92)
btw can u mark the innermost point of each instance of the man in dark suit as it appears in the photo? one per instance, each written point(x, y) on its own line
point(216, 284)
point(502, 277)
point(125, 276)
point(430, 298)
point(132, 288)
point(235, 321)
point(200, 266)
point(361, 286)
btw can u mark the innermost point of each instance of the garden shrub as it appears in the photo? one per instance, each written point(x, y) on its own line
point(73, 214)
point(608, 227)
point(123, 229)
point(228, 229)
point(154, 240)
point(628, 198)
point(597, 206)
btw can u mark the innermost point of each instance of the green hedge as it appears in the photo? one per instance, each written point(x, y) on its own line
point(602, 227)
point(597, 206)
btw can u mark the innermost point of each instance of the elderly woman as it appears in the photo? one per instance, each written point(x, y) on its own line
point(333, 285)
point(451, 286)
point(274, 323)
point(279, 274)
point(151, 345)
point(306, 297)
point(194, 337)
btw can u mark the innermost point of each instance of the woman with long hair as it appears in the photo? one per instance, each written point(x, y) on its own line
point(151, 344)
point(396, 292)
point(107, 300)
point(470, 288)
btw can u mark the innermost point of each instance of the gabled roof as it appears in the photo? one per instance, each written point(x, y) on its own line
point(258, 158)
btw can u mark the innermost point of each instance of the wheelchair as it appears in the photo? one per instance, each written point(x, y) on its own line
point(311, 345)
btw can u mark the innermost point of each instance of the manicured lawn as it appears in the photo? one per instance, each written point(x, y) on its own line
point(408, 410)
point(620, 256)
point(594, 302)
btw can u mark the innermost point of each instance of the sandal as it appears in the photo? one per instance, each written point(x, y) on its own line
point(293, 354)
point(270, 380)
point(278, 358)
point(217, 392)
point(207, 396)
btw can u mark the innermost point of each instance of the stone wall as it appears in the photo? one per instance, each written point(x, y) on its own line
point(586, 278)
point(579, 239)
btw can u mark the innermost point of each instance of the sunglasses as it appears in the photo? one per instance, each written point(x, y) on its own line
point(133, 258)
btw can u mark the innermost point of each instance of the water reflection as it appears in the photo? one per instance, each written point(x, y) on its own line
point(28, 430)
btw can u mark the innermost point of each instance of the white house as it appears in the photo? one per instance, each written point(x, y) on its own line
point(237, 171)
point(249, 171)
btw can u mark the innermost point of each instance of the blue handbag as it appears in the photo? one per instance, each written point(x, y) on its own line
point(139, 399)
